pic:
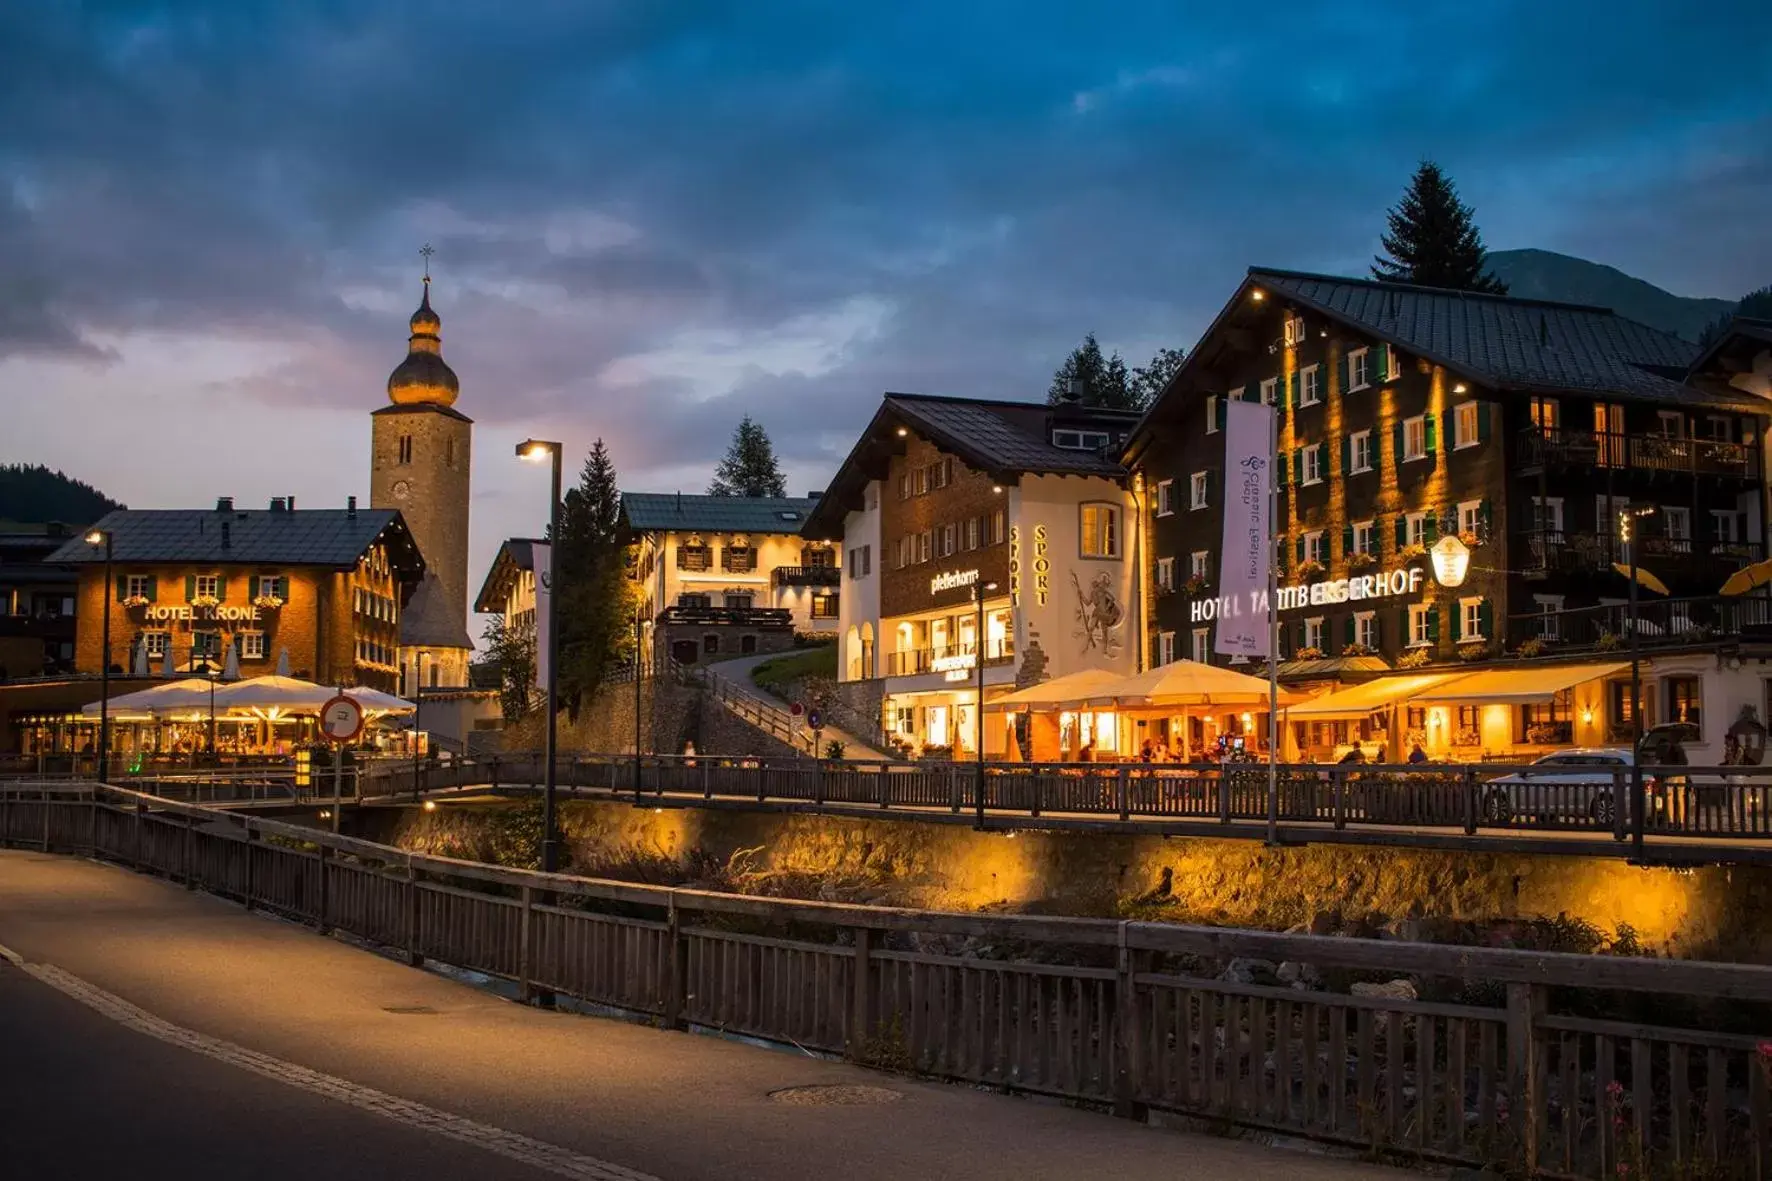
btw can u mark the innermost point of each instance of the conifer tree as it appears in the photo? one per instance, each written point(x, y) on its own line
point(750, 467)
point(596, 596)
point(1433, 239)
point(1100, 380)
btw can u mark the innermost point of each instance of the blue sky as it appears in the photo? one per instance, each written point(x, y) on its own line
point(652, 218)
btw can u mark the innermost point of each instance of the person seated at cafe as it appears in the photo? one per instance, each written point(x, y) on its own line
point(1354, 755)
point(1417, 755)
point(1146, 752)
point(1087, 753)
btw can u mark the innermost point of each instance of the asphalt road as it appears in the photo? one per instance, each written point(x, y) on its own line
point(154, 1032)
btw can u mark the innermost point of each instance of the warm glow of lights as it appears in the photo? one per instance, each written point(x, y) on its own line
point(998, 488)
point(1451, 560)
point(96, 537)
point(1258, 295)
point(430, 805)
point(902, 432)
point(1458, 388)
point(1587, 715)
point(536, 450)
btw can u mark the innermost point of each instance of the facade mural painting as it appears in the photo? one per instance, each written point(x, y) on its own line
point(1099, 614)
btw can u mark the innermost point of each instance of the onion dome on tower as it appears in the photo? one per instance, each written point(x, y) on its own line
point(424, 378)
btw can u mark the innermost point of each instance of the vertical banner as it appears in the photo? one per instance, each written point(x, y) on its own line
point(1246, 545)
point(543, 557)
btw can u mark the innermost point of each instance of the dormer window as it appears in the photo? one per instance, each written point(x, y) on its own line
point(1075, 440)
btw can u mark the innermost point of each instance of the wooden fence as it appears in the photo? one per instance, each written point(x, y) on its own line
point(1505, 1063)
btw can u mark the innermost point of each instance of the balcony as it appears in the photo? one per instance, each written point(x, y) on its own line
point(916, 661)
point(761, 618)
point(1564, 551)
point(1557, 447)
point(808, 576)
point(1661, 623)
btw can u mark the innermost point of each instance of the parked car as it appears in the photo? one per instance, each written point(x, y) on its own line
point(1570, 785)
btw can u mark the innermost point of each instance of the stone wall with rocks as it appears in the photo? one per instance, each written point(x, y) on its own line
point(1502, 899)
point(673, 714)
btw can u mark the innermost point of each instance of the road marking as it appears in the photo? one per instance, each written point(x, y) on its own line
point(551, 1158)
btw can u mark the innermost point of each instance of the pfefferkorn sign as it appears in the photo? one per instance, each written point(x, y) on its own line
point(1389, 584)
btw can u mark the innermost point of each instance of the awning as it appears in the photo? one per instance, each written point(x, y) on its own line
point(1520, 686)
point(1361, 700)
point(1065, 690)
point(1184, 683)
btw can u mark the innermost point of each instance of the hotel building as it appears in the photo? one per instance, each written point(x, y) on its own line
point(1524, 428)
point(950, 511)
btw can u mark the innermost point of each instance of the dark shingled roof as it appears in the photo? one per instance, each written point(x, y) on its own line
point(329, 537)
point(427, 621)
point(1005, 439)
point(1519, 344)
point(647, 512)
point(516, 553)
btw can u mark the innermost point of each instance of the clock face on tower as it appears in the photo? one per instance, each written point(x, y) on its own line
point(402, 489)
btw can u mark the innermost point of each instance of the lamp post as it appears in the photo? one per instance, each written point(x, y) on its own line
point(1627, 534)
point(107, 539)
point(639, 667)
point(537, 450)
point(418, 690)
point(978, 646)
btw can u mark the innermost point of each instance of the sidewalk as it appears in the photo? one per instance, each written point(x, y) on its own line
point(677, 1106)
point(737, 673)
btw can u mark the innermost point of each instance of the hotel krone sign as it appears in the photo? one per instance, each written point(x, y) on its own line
point(1385, 585)
point(194, 614)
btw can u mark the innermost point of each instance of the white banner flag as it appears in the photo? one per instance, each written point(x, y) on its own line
point(542, 555)
point(1247, 549)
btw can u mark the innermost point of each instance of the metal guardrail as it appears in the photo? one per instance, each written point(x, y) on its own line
point(1721, 804)
point(1502, 1062)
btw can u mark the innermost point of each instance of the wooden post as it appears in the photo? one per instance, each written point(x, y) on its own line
point(525, 921)
point(251, 848)
point(1122, 794)
point(43, 804)
point(676, 983)
point(1128, 1033)
point(1223, 779)
point(860, 996)
point(1470, 802)
point(413, 955)
point(140, 811)
point(325, 864)
point(188, 856)
point(1526, 1094)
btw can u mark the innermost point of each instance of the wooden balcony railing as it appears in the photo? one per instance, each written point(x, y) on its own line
point(808, 576)
point(1563, 446)
point(1572, 550)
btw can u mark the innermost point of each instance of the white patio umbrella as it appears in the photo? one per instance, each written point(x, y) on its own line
point(374, 701)
point(190, 693)
point(166, 669)
point(138, 663)
point(274, 696)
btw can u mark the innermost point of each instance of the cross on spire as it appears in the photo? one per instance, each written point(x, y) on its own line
point(427, 251)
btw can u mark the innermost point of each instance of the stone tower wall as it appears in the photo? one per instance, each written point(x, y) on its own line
point(437, 486)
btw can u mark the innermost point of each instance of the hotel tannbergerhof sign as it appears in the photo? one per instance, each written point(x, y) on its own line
point(1389, 584)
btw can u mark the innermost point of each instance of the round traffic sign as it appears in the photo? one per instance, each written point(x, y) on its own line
point(796, 709)
point(814, 720)
point(341, 719)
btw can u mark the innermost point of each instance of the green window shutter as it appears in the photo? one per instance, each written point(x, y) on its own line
point(221, 587)
point(1485, 619)
point(1298, 546)
point(1402, 531)
point(1381, 363)
point(1452, 430)
point(1347, 454)
point(1296, 385)
point(1298, 635)
point(1483, 521)
point(1341, 372)
point(1281, 462)
point(153, 589)
point(1347, 541)
point(122, 587)
point(1397, 442)
point(283, 587)
point(1433, 624)
point(1347, 630)
point(190, 587)
point(1220, 409)
point(1427, 427)
point(1431, 528)
point(1298, 465)
point(1482, 422)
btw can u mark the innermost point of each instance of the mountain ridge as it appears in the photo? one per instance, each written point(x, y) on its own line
point(1545, 274)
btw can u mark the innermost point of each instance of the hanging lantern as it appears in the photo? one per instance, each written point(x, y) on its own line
point(1451, 559)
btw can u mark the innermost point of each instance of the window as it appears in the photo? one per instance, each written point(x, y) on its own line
point(1268, 389)
point(944, 472)
point(1314, 547)
point(921, 481)
point(950, 540)
point(1359, 369)
point(1550, 616)
point(138, 586)
point(999, 526)
point(1470, 619)
point(1359, 446)
point(737, 600)
point(819, 557)
point(1718, 428)
point(824, 606)
point(207, 586)
point(1079, 440)
point(1197, 563)
point(925, 545)
point(1197, 490)
point(1467, 428)
point(1165, 573)
point(1362, 537)
point(1212, 414)
point(1726, 525)
point(1100, 530)
point(1235, 395)
point(1313, 464)
point(710, 643)
point(206, 644)
point(693, 556)
point(1165, 647)
point(1415, 529)
point(1310, 385)
point(904, 486)
point(1415, 437)
point(688, 599)
point(156, 644)
point(1546, 414)
point(907, 551)
point(1672, 424)
point(1313, 633)
point(449, 452)
point(1685, 702)
point(1366, 629)
point(1470, 516)
point(1202, 646)
point(1677, 521)
point(405, 448)
point(252, 645)
point(861, 561)
point(274, 586)
point(1420, 625)
point(738, 559)
point(1547, 516)
point(974, 530)
point(1165, 497)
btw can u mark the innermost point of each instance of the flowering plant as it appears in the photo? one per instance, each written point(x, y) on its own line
point(1609, 642)
point(1530, 646)
point(1195, 584)
point(270, 602)
point(205, 601)
point(1356, 649)
point(1469, 537)
point(1411, 552)
point(1308, 654)
point(1414, 658)
point(1311, 568)
point(1361, 560)
point(1473, 649)
point(136, 601)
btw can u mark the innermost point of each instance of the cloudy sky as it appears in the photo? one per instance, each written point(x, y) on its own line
point(653, 217)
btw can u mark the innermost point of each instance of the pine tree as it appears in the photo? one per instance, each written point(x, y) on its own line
point(590, 565)
point(1148, 380)
point(1433, 239)
point(750, 467)
point(1101, 381)
point(1757, 304)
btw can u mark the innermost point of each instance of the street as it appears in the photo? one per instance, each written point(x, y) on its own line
point(261, 1049)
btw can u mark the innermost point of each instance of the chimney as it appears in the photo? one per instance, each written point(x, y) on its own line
point(291, 502)
point(277, 504)
point(815, 494)
point(1074, 392)
point(351, 507)
point(226, 540)
point(224, 504)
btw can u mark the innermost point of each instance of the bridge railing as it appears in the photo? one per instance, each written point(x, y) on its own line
point(1522, 1060)
point(1715, 803)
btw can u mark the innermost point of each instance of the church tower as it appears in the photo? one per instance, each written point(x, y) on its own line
point(421, 450)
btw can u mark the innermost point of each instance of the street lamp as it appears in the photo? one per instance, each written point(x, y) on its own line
point(1627, 534)
point(537, 451)
point(979, 589)
point(639, 667)
point(418, 689)
point(107, 539)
